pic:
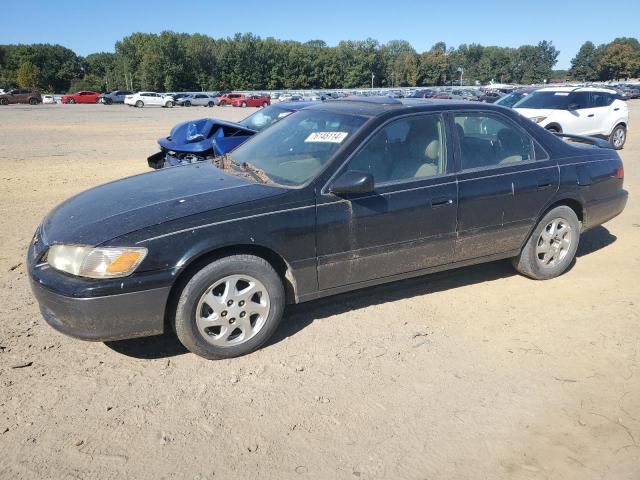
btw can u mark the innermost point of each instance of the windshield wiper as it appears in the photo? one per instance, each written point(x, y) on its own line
point(227, 164)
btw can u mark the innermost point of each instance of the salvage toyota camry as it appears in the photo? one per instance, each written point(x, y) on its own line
point(335, 197)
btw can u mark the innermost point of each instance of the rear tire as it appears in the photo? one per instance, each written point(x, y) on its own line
point(618, 137)
point(552, 245)
point(265, 105)
point(222, 103)
point(187, 103)
point(33, 101)
point(243, 105)
point(210, 104)
point(139, 104)
point(108, 101)
point(4, 101)
point(216, 319)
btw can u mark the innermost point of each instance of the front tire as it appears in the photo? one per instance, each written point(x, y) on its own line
point(210, 104)
point(618, 137)
point(552, 246)
point(33, 101)
point(71, 101)
point(187, 103)
point(244, 104)
point(169, 104)
point(230, 307)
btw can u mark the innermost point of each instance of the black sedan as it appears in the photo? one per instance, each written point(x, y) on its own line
point(335, 197)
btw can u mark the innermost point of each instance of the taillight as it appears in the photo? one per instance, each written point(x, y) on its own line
point(620, 172)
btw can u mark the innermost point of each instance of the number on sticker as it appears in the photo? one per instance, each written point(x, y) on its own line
point(327, 137)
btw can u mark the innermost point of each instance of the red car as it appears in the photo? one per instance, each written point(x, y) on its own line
point(228, 99)
point(81, 97)
point(252, 101)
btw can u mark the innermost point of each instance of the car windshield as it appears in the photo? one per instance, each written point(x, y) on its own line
point(550, 100)
point(510, 100)
point(295, 149)
point(265, 117)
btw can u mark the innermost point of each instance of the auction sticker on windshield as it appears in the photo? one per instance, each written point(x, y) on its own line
point(327, 137)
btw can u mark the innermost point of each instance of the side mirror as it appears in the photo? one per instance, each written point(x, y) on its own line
point(352, 182)
point(573, 106)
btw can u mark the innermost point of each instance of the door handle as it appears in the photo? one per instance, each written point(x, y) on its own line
point(441, 202)
point(544, 184)
point(616, 109)
point(590, 115)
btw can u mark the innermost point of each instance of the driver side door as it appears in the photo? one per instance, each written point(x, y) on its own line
point(407, 223)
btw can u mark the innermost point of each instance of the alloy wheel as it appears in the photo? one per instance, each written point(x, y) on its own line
point(619, 137)
point(232, 310)
point(554, 243)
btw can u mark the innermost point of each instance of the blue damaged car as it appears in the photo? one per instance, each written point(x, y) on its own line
point(206, 138)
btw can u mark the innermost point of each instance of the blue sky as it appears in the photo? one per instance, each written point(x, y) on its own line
point(87, 29)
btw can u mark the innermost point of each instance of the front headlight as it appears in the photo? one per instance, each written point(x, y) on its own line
point(538, 119)
point(95, 262)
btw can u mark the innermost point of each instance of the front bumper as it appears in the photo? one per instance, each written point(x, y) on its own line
point(111, 317)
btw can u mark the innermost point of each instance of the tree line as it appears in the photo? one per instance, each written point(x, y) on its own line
point(172, 61)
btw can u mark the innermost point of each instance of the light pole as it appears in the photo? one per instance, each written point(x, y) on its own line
point(461, 70)
point(373, 75)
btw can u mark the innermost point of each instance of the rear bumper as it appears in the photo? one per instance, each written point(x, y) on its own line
point(111, 317)
point(603, 210)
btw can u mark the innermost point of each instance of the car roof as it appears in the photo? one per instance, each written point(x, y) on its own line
point(577, 89)
point(297, 105)
point(377, 106)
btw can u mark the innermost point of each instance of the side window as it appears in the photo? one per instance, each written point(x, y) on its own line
point(579, 100)
point(406, 149)
point(601, 99)
point(487, 140)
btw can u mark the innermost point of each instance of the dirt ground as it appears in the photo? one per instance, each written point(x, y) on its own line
point(473, 374)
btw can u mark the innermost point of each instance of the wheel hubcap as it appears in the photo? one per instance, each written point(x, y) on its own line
point(618, 137)
point(232, 310)
point(554, 243)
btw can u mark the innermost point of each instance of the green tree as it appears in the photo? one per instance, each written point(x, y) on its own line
point(28, 76)
point(584, 66)
point(619, 59)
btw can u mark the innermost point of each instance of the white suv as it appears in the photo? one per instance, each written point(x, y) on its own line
point(143, 99)
point(582, 111)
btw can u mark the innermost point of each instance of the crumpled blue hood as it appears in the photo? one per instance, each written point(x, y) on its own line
point(195, 136)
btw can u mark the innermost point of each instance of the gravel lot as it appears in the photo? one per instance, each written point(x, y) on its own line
point(476, 373)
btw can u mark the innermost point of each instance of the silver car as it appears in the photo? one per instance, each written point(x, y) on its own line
point(196, 99)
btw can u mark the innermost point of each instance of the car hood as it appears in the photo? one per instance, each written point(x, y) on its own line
point(124, 206)
point(534, 112)
point(194, 136)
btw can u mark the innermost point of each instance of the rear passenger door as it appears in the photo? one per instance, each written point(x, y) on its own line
point(407, 223)
point(505, 179)
point(604, 115)
point(581, 115)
